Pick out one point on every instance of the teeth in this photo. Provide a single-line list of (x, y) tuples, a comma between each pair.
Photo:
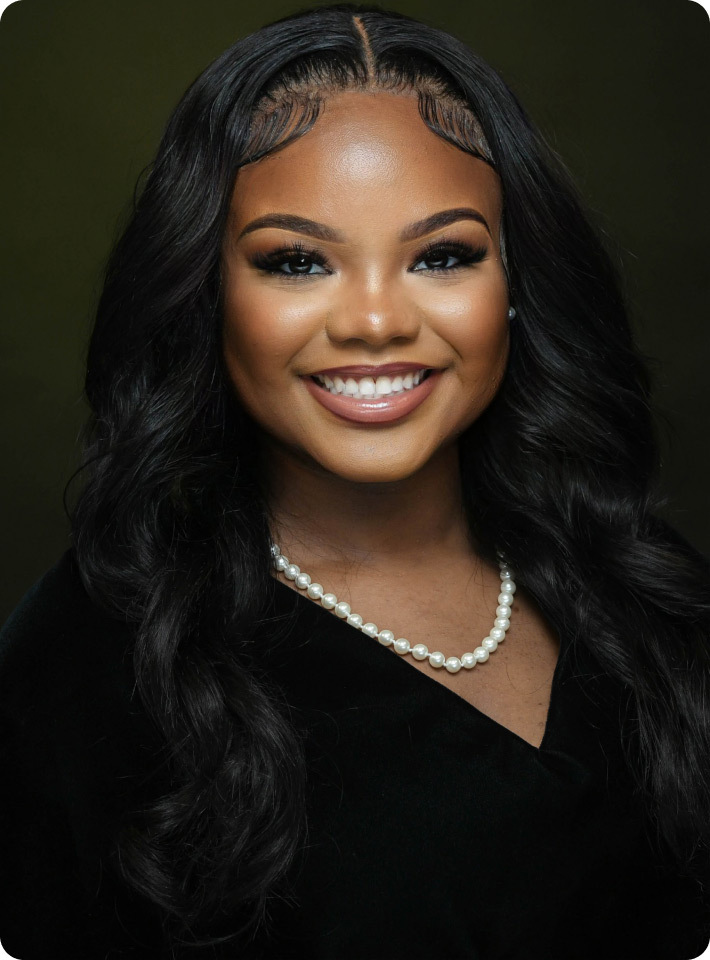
[(368, 387), (383, 386)]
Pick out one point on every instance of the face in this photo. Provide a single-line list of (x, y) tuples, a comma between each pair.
[(356, 259)]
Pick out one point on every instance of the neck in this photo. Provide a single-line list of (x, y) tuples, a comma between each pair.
[(319, 517)]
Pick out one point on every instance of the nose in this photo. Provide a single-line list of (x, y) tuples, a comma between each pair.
[(375, 312)]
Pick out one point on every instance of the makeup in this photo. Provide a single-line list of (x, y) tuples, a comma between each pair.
[(374, 408), (361, 255)]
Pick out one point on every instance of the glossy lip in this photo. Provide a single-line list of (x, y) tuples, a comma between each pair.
[(363, 370), (379, 410)]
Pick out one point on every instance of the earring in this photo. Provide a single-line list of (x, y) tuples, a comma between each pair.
[(511, 312)]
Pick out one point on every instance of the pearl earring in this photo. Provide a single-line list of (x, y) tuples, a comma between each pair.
[(511, 312)]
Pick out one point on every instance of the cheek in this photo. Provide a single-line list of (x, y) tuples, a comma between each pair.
[(263, 331), (483, 340), (474, 322)]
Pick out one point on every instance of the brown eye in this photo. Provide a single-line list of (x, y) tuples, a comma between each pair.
[(300, 265), (448, 257), (291, 262), (439, 261)]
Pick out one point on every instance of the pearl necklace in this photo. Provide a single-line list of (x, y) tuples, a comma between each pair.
[(402, 646)]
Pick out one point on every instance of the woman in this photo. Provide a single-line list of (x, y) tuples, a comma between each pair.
[(370, 643)]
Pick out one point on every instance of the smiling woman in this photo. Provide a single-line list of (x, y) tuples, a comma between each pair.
[(359, 326), (414, 278)]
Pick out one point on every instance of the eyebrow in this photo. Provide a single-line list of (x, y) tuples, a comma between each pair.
[(442, 219), (321, 231)]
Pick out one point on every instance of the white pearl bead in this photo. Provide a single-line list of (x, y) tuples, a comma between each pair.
[(420, 651)]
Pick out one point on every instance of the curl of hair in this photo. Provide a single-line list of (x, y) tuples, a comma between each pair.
[(172, 529)]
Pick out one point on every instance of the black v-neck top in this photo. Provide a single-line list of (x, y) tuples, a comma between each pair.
[(434, 832)]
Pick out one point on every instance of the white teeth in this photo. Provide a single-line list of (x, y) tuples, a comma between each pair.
[(368, 387), (383, 386)]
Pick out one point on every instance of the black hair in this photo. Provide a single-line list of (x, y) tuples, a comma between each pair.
[(171, 529)]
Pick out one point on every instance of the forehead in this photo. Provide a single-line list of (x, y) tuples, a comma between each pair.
[(367, 155)]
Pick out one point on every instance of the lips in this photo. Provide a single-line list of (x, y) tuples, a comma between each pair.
[(364, 370), (373, 409)]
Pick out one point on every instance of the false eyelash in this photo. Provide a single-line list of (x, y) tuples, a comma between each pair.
[(464, 252), (270, 262)]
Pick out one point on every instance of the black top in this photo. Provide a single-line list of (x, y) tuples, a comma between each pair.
[(435, 832)]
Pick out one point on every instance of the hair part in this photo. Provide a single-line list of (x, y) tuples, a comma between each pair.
[(291, 104)]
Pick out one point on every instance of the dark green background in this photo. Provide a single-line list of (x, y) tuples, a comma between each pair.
[(620, 88)]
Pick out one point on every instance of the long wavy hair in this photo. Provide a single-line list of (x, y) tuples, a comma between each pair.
[(171, 529)]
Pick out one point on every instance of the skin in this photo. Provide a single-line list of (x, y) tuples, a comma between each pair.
[(374, 511)]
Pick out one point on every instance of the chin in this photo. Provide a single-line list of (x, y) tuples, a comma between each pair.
[(376, 468)]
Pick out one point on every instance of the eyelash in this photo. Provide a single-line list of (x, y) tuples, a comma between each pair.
[(466, 253)]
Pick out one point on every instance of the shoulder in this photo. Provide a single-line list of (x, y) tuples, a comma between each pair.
[(58, 642)]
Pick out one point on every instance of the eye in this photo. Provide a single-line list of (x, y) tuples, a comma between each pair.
[(292, 262), (296, 261), (446, 257)]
